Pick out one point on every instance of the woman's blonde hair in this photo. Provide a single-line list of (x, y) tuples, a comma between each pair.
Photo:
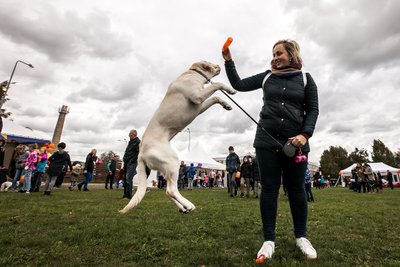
[(293, 49)]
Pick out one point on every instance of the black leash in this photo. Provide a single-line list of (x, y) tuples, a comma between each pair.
[(287, 145)]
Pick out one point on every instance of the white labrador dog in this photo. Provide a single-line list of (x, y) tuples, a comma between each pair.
[(186, 98)]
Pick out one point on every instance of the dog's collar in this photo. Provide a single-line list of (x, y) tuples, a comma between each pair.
[(208, 80)]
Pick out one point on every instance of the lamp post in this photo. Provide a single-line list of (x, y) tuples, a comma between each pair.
[(4, 93), (188, 130), (12, 74)]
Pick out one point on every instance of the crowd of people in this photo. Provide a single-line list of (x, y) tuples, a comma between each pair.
[(363, 179), (30, 165)]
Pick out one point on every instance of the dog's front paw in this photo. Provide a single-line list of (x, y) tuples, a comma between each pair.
[(227, 107)]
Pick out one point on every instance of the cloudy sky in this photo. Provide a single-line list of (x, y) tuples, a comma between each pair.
[(111, 62)]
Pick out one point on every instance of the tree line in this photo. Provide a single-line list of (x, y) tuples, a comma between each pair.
[(337, 158)]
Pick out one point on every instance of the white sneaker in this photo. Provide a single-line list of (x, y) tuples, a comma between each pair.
[(266, 251), (306, 248)]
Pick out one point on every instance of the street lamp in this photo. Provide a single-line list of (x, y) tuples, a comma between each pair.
[(4, 92), (9, 81), (188, 130)]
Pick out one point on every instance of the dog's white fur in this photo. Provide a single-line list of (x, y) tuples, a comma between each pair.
[(5, 186), (186, 98)]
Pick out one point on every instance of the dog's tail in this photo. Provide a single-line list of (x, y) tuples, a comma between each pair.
[(141, 188)]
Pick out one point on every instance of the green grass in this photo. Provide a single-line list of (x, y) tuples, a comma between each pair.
[(85, 229)]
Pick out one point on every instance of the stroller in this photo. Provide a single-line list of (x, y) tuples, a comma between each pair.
[(76, 172)]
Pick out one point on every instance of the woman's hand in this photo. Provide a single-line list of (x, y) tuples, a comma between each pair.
[(298, 140), (226, 54)]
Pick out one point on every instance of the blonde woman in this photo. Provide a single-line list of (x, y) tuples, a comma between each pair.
[(90, 163), (289, 113)]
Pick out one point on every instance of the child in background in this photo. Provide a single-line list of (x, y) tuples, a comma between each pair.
[(39, 171)]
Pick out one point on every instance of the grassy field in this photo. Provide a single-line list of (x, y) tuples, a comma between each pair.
[(85, 229)]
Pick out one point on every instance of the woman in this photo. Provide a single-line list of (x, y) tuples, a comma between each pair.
[(20, 158), (90, 162), (30, 166), (289, 113), (57, 162)]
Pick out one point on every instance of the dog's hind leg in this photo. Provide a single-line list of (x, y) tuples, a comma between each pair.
[(171, 174), (142, 186)]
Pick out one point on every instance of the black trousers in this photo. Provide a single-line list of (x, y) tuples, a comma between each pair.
[(110, 179), (310, 197), (272, 166)]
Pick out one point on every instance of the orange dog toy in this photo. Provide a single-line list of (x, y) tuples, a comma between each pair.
[(227, 43), (261, 259)]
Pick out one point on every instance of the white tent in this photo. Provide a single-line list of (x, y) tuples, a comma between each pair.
[(200, 158), (197, 155), (375, 166)]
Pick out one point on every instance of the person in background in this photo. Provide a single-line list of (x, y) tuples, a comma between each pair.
[(212, 175), (39, 171), (60, 177), (3, 170), (191, 175), (20, 158), (310, 197), (88, 170), (232, 166), (76, 172), (289, 114), (256, 177), (112, 169), (219, 179), (182, 175), (390, 179), (57, 162), (379, 181), (119, 178), (30, 166), (161, 180), (246, 172), (130, 163)]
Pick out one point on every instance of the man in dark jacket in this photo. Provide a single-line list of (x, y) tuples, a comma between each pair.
[(57, 161), (232, 166), (130, 163)]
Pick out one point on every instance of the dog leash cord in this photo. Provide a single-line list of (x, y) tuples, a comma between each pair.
[(245, 112)]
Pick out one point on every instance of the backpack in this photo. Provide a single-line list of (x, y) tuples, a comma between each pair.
[(269, 74)]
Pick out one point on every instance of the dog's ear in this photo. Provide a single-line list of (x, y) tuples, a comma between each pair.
[(207, 67)]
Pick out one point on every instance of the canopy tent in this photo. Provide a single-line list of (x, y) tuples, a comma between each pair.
[(375, 166), (15, 132), (200, 158)]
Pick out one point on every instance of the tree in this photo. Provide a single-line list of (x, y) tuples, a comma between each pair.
[(107, 156), (359, 156), (397, 159), (334, 160), (381, 153)]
